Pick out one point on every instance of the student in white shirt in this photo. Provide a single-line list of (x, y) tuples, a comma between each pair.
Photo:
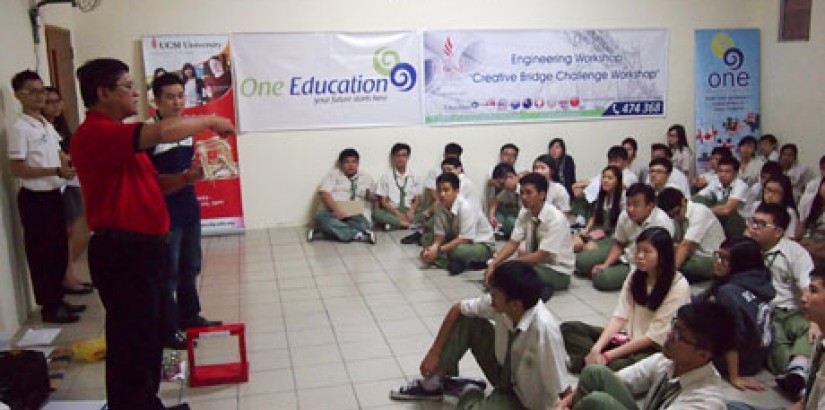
[(767, 148), (461, 233), (507, 154), (681, 377), (727, 197), (585, 192), (798, 173), (344, 184), (597, 233), (813, 184), (777, 189), (701, 181), (658, 175), (749, 166), (398, 192), (504, 206), (36, 160), (698, 234), (468, 188), (811, 230), (770, 169), (541, 236), (676, 178), (634, 164), (790, 266), (682, 154), (430, 197), (647, 303), (512, 336), (556, 194)]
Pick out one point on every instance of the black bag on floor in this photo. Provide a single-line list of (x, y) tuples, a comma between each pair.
[(24, 380)]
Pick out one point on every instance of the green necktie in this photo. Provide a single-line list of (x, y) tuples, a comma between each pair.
[(534, 240), (353, 188), (402, 205), (664, 394), (505, 383)]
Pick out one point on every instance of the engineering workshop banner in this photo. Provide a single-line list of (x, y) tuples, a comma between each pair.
[(727, 90), (544, 75), (204, 63), (324, 80)]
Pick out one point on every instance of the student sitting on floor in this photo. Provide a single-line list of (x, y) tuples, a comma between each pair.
[(585, 192), (398, 193), (790, 266), (596, 235), (698, 234), (770, 169), (798, 173), (677, 178), (743, 284), (556, 194), (681, 377), (749, 166), (699, 182), (726, 195), (504, 206), (468, 188), (778, 190), (513, 337), (640, 213), (430, 196), (767, 148), (658, 175), (634, 164), (508, 154), (541, 236), (812, 229), (683, 156), (344, 194), (461, 233), (647, 303), (813, 299), (564, 163), (813, 184)]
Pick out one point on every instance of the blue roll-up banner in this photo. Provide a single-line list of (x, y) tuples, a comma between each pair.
[(727, 90)]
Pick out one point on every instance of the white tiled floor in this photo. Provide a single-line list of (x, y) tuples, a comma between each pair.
[(329, 326)]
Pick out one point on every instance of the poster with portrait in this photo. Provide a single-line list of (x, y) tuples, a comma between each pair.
[(204, 65), (727, 90)]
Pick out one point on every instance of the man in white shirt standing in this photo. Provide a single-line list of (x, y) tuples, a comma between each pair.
[(727, 196), (513, 337), (681, 377), (542, 238), (461, 232), (344, 194), (35, 155)]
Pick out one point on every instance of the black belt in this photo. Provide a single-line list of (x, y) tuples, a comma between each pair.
[(127, 236)]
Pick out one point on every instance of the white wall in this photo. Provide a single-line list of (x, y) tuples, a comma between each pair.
[(280, 171)]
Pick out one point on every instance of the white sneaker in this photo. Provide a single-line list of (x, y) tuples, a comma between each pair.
[(311, 235), (387, 227), (370, 236)]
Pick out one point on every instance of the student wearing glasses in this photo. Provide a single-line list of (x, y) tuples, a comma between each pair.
[(37, 161), (680, 377), (790, 266)]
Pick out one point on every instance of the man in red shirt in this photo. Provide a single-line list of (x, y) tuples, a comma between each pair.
[(126, 211)]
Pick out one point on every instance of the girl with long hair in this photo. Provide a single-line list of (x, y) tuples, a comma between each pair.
[(557, 150), (609, 204), (193, 86), (743, 285), (556, 193), (682, 154), (648, 302), (812, 229)]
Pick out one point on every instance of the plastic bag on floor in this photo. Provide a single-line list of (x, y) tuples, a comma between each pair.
[(90, 350)]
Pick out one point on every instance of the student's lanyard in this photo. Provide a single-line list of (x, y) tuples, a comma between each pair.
[(726, 193), (534, 240), (353, 187), (666, 391), (401, 189), (506, 382)]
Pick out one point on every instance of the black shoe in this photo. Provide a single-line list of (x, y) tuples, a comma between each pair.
[(476, 264), (546, 293), (416, 391), (72, 308), (182, 406), (176, 342), (455, 268), (411, 239), (58, 314), (83, 290), (453, 386), (791, 383), (199, 321)]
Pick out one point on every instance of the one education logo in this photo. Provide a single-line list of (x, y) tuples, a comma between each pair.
[(362, 87), (723, 47)]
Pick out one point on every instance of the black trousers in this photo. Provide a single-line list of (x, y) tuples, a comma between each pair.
[(128, 271), (46, 242)]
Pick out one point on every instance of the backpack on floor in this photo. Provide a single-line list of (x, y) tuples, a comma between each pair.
[(24, 379)]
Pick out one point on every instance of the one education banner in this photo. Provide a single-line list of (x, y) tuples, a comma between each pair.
[(322, 80), (727, 90), (204, 62), (543, 75)]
